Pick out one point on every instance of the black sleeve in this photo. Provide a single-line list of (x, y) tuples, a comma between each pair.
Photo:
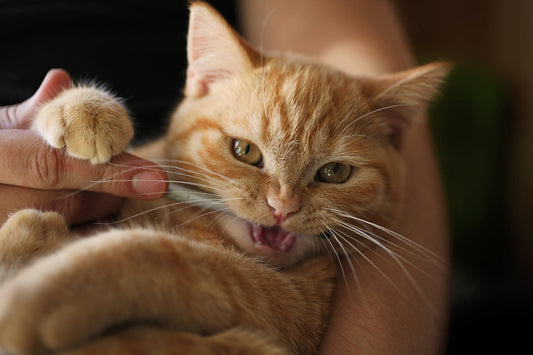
[(136, 48)]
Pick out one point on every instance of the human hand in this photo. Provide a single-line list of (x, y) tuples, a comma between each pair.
[(33, 174)]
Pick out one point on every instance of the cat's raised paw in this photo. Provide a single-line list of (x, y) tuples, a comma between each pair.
[(89, 122)]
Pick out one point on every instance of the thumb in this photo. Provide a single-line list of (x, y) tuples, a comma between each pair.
[(20, 115), (29, 162)]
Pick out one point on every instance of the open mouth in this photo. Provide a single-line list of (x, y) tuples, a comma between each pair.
[(274, 238)]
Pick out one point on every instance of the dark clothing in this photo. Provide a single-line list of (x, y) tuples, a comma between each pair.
[(136, 48)]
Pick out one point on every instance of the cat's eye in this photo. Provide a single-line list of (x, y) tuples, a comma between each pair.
[(334, 173), (246, 152)]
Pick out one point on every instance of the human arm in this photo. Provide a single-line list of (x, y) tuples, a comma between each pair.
[(33, 174), (372, 314)]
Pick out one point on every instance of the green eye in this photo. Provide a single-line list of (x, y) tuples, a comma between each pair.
[(246, 152), (334, 173)]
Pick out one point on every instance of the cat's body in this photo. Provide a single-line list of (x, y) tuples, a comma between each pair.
[(294, 149)]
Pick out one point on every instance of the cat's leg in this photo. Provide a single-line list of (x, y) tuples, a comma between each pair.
[(127, 277), (28, 234), (88, 121), (155, 341)]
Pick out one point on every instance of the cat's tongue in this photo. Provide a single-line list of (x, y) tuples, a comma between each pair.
[(275, 238)]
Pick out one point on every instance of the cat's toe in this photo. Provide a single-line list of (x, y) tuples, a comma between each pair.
[(49, 124)]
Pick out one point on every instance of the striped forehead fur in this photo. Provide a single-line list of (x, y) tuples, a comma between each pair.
[(306, 109)]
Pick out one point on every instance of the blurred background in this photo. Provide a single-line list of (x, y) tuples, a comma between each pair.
[(483, 130)]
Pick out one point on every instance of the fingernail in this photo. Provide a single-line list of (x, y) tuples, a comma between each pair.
[(149, 184)]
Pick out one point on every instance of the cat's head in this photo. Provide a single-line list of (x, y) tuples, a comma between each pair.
[(300, 153)]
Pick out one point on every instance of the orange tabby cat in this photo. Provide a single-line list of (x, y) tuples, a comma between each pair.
[(301, 155)]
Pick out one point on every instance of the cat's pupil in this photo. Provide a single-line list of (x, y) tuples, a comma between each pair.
[(331, 171)]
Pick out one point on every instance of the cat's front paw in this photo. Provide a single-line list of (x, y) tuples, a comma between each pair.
[(88, 121)]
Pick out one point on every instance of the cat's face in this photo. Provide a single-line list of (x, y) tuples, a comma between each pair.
[(290, 150), (296, 150)]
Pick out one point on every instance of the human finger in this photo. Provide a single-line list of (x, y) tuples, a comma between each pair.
[(28, 161), (20, 115), (75, 206)]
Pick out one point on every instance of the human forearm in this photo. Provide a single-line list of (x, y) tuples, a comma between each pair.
[(358, 37)]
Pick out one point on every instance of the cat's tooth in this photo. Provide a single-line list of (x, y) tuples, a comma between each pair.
[(287, 243), (256, 232)]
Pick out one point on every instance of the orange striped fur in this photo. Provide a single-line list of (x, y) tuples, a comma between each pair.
[(176, 279)]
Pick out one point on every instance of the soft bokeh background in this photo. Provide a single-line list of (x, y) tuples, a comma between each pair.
[(483, 130)]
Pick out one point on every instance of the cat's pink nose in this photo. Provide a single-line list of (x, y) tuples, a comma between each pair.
[(281, 210)]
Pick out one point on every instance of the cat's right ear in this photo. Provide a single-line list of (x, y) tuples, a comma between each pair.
[(214, 50), (403, 96)]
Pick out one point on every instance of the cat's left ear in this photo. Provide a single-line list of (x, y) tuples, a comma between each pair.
[(403, 96), (214, 50)]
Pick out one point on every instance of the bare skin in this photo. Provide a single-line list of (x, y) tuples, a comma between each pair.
[(373, 315), (32, 174)]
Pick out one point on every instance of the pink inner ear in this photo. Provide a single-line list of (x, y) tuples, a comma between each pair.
[(214, 51), (196, 85), (407, 94), (398, 121)]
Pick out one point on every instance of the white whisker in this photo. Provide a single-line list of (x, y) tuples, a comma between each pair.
[(203, 215), (197, 175), (420, 249), (231, 181), (338, 257), (94, 183), (338, 261), (366, 115), (347, 258), (392, 254), (344, 237), (146, 212), (411, 253), (220, 216)]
